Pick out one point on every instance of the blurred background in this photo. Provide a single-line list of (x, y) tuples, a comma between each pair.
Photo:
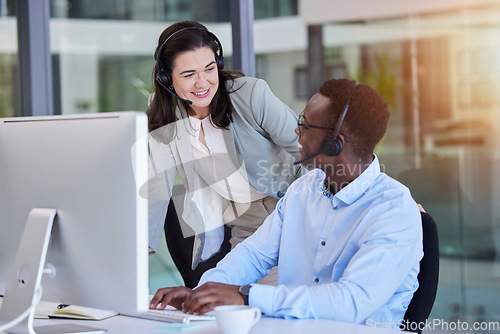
[(437, 63)]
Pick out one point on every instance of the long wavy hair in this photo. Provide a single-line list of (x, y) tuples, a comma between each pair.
[(161, 109)]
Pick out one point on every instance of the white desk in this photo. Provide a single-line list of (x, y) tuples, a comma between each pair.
[(266, 325), (129, 325)]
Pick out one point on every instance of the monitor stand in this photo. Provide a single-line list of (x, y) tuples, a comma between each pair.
[(24, 287)]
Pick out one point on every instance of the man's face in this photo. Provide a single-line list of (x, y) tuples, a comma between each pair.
[(314, 129)]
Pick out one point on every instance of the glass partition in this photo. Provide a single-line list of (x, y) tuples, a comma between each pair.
[(8, 60), (103, 51), (440, 74), (106, 65)]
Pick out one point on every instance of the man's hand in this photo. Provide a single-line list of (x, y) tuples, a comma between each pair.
[(170, 296), (211, 294)]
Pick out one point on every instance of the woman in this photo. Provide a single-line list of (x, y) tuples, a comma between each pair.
[(231, 141)]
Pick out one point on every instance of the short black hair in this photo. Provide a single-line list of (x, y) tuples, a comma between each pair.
[(366, 119)]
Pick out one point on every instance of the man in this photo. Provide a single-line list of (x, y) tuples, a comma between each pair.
[(347, 238)]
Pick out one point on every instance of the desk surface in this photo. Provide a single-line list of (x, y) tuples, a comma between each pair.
[(126, 325)]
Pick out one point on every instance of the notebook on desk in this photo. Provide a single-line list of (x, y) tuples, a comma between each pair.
[(46, 310)]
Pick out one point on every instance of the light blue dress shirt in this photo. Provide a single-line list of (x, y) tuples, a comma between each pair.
[(351, 257)]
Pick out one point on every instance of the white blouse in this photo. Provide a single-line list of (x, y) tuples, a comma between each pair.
[(211, 164)]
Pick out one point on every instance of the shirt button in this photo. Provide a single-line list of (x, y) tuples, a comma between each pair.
[(335, 208), (323, 243), (316, 280)]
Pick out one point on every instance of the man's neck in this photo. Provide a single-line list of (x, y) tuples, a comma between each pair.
[(340, 175)]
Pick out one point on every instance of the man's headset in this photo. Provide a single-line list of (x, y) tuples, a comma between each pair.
[(332, 146), (165, 80)]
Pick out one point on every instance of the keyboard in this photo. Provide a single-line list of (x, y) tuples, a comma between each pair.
[(174, 315), (171, 314)]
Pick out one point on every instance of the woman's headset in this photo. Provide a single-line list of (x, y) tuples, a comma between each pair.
[(162, 77)]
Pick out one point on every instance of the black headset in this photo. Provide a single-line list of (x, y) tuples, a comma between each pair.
[(332, 146), (163, 78)]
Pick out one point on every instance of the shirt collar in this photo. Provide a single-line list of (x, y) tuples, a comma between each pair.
[(354, 190)]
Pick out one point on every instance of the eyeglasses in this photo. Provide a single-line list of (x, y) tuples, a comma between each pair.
[(301, 125)]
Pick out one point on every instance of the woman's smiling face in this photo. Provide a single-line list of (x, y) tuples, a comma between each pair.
[(195, 77)]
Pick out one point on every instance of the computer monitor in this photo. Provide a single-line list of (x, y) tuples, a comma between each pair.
[(87, 167)]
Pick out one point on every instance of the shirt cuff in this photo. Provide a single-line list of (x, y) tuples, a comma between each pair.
[(262, 296)]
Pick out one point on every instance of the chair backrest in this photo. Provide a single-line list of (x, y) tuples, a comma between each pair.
[(421, 304)]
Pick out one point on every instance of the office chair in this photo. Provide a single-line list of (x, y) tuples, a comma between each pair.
[(423, 299)]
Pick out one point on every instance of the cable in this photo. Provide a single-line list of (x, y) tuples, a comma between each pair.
[(23, 315)]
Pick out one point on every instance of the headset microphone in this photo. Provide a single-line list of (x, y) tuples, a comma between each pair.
[(308, 157), (171, 91)]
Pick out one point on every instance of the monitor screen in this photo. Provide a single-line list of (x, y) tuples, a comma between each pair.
[(87, 167)]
